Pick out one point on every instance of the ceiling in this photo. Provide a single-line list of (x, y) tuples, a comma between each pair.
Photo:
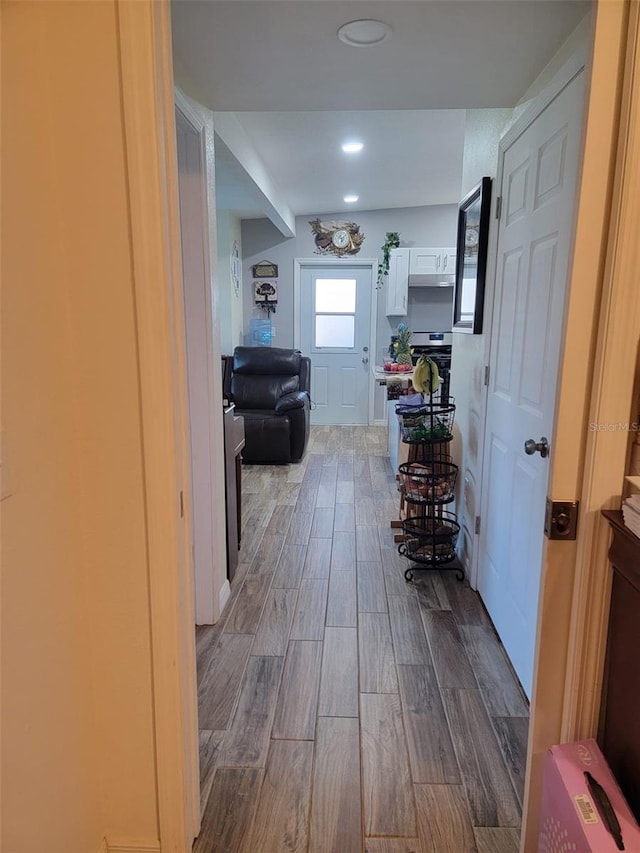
[(298, 91)]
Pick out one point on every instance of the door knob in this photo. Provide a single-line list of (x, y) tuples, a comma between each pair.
[(365, 360), (532, 446)]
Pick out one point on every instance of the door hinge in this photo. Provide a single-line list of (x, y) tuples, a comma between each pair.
[(477, 528), (486, 374), (498, 207), (181, 504)]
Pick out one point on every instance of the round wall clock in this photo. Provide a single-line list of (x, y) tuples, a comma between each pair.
[(340, 238), (471, 237)]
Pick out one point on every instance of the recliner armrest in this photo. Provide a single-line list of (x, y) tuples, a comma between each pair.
[(291, 401)]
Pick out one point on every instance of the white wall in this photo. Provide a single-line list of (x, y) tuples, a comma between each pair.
[(418, 226), (483, 129), (230, 302), (77, 715)]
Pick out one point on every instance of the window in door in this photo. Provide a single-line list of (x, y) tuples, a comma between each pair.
[(334, 313)]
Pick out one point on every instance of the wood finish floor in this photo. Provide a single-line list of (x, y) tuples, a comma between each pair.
[(343, 710)]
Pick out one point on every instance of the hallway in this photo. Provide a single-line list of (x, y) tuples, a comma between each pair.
[(340, 708)]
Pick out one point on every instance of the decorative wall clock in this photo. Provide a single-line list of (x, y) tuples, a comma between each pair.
[(336, 238)]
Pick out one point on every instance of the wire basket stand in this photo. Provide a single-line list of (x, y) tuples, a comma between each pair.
[(427, 483)]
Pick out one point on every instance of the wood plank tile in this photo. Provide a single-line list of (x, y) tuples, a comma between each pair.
[(233, 798), (322, 525), (339, 679), (247, 741), (280, 518), (209, 744), (512, 733), (367, 545), (344, 518), (392, 845), (308, 621), (219, 688), (327, 488), (502, 694), (443, 819), (371, 592), (389, 807), (465, 602), (272, 636), (318, 560), (341, 605), (300, 527), (365, 505), (307, 496), (447, 650), (290, 566), (377, 663), (344, 492), (246, 612), (409, 638), (497, 840), (298, 698), (431, 591), (431, 752), (492, 800), (336, 818), (266, 557), (343, 553), (281, 821)]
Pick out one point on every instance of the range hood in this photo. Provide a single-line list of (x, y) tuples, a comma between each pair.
[(431, 280)]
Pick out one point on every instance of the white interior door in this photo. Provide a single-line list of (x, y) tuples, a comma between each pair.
[(335, 332), (538, 194)]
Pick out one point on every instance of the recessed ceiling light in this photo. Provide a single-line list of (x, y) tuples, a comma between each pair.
[(350, 199), (364, 33), (352, 147)]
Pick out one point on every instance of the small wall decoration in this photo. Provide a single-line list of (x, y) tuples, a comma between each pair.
[(266, 295), (235, 267), (265, 269), (336, 238), (471, 259)]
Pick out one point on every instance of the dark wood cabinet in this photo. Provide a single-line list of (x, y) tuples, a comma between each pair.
[(233, 444), (619, 728)]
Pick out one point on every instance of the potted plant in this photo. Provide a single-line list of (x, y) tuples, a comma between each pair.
[(392, 241)]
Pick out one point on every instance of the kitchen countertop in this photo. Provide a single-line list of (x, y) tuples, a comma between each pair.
[(383, 378)]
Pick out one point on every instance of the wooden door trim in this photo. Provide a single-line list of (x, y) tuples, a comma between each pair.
[(151, 168), (612, 397), (298, 264)]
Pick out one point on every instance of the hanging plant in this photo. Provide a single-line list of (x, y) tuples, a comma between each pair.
[(392, 241)]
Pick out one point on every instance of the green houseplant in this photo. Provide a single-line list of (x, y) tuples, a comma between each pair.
[(392, 241)]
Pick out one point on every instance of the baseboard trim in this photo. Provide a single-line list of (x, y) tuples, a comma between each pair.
[(130, 845), (224, 596)]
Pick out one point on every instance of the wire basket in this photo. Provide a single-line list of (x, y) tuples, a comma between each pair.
[(427, 422), (430, 540), (431, 482)]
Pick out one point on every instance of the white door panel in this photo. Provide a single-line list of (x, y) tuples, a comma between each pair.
[(538, 185), (335, 330)]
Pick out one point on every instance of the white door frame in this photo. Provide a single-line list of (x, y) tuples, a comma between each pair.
[(298, 264), (212, 588)]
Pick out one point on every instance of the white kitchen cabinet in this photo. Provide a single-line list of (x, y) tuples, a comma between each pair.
[(437, 261), (398, 282)]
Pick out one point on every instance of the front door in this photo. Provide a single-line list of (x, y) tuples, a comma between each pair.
[(335, 331), (538, 188)]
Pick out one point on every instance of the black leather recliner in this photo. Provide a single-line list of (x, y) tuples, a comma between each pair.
[(270, 389)]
